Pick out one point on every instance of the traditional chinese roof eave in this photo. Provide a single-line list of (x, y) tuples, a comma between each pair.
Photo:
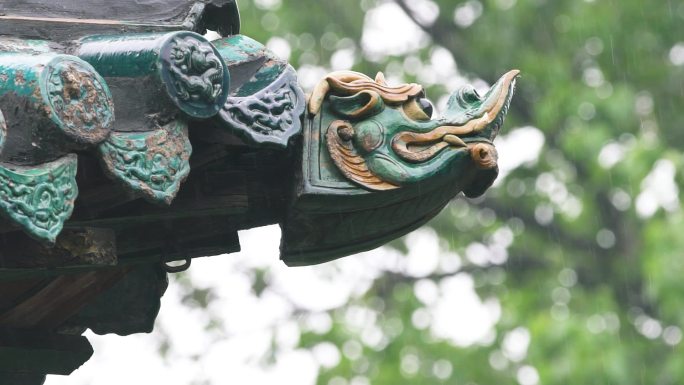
[(68, 19)]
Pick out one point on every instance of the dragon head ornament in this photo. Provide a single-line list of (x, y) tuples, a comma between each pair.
[(384, 137), (376, 164)]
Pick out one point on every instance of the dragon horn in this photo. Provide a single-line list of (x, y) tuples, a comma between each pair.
[(323, 87), (380, 79)]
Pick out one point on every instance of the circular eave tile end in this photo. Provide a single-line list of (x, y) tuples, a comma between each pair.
[(195, 77), (79, 100)]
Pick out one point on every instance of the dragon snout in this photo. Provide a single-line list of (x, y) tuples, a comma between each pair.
[(484, 155), (471, 122)]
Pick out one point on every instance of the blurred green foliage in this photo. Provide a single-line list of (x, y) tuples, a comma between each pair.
[(593, 274)]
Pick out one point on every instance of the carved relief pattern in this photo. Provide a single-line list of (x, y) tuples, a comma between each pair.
[(80, 99), (152, 164), (196, 70), (271, 115), (39, 198), (351, 164)]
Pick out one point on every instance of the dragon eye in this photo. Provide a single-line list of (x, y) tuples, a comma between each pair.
[(426, 106), (418, 109)]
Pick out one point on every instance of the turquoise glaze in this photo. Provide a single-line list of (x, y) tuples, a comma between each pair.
[(151, 164), (241, 48), (39, 198), (238, 50), (194, 77)]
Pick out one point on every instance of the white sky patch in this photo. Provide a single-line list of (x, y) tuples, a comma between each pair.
[(280, 47), (466, 14), (658, 190), (388, 31), (413, 65), (611, 154), (315, 288), (292, 367), (643, 105), (484, 255), (676, 55), (527, 375), (443, 63), (137, 354), (440, 68), (424, 253), (555, 189), (672, 335), (515, 344), (312, 291), (425, 11), (327, 354), (212, 35), (343, 59), (309, 75), (185, 324), (450, 262), (620, 199), (426, 291), (460, 316), (477, 253), (520, 147), (593, 77)]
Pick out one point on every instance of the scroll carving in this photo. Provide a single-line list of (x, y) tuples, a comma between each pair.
[(151, 164), (39, 198), (269, 116), (349, 162)]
